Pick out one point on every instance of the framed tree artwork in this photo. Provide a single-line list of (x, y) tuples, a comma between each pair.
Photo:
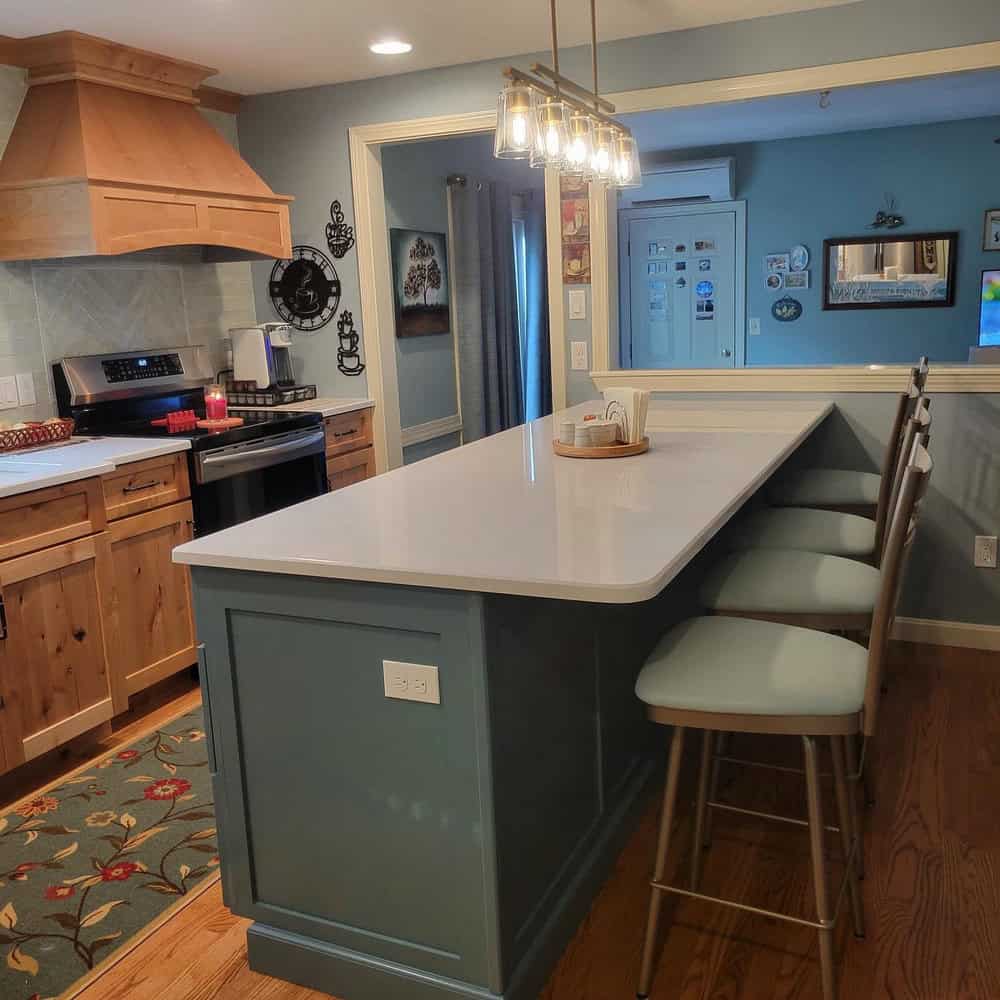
[(420, 282)]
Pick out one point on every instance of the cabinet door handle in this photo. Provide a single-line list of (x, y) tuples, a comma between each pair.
[(3, 620), (343, 434), (139, 487)]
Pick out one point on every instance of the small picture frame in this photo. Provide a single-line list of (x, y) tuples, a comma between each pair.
[(991, 230), (777, 263), (775, 282), (797, 279)]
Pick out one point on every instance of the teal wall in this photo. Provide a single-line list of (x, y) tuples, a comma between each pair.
[(298, 140), (944, 177)]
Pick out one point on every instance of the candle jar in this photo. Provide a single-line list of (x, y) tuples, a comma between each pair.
[(216, 407)]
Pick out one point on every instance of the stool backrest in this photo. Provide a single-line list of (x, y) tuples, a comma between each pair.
[(902, 528), (917, 429), (894, 457)]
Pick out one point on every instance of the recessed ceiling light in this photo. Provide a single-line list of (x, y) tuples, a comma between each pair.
[(391, 47)]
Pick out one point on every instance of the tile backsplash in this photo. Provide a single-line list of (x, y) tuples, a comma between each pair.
[(89, 305)]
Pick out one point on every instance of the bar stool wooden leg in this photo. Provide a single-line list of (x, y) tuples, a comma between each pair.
[(850, 837), (827, 967), (659, 868), (697, 842), (851, 751)]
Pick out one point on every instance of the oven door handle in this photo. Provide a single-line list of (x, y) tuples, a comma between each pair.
[(247, 459)]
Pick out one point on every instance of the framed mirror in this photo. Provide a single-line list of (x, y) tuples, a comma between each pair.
[(888, 271)]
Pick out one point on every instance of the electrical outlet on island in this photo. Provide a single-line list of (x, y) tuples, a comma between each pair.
[(985, 555)]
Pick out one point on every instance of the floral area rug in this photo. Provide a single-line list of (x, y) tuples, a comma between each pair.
[(92, 861)]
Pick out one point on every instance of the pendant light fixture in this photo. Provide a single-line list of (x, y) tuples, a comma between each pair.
[(546, 118)]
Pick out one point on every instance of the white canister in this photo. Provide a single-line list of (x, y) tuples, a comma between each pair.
[(567, 432)]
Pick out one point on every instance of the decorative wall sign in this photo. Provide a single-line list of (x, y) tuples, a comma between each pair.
[(777, 263), (574, 198), (420, 273), (991, 230), (576, 263), (348, 359), (305, 290), (786, 309), (797, 279), (798, 258), (774, 282), (339, 237), (887, 218)]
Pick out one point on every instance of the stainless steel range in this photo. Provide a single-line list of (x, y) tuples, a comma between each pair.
[(275, 459)]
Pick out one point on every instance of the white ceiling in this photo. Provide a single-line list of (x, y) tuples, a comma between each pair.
[(905, 102), (264, 45)]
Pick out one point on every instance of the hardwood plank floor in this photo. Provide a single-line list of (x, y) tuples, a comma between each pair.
[(932, 895)]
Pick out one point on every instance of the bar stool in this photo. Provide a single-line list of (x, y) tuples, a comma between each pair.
[(805, 588), (740, 675), (850, 491)]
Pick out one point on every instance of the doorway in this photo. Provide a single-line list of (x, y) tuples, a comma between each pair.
[(684, 294)]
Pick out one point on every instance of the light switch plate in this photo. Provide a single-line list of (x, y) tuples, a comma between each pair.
[(578, 355), (985, 555), (577, 303), (26, 388), (753, 326), (8, 392), (411, 682)]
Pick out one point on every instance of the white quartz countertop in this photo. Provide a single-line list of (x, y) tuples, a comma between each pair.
[(80, 458), (327, 405), (506, 515)]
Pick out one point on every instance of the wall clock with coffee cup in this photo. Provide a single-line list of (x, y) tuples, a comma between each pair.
[(305, 289)]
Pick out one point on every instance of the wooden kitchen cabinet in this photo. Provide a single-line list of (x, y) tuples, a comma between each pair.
[(36, 520), (152, 626), (54, 670), (146, 485), (348, 432), (354, 467)]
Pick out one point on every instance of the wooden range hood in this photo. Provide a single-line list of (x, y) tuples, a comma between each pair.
[(110, 155)]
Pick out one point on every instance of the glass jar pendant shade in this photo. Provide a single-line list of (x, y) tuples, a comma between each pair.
[(602, 161), (580, 150), (516, 123), (552, 135), (625, 159)]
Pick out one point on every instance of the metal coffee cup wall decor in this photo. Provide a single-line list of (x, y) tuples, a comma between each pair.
[(348, 359), (305, 289), (339, 236)]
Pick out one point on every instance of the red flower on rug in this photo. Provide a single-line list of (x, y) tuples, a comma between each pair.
[(59, 892), (38, 807), (166, 788), (27, 866), (120, 871), (127, 755)]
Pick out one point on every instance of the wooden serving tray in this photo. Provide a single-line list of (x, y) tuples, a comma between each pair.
[(603, 451), (220, 425)]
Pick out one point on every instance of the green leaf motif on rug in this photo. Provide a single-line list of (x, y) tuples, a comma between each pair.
[(87, 864)]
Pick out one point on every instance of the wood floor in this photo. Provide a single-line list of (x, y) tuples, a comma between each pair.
[(932, 894)]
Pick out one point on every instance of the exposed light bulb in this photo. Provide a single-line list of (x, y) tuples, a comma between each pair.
[(552, 141), (519, 129), (577, 154)]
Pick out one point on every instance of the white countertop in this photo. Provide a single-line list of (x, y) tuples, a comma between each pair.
[(505, 515), (327, 405), (23, 471)]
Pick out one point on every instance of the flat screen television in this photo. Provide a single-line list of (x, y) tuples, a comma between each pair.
[(989, 310)]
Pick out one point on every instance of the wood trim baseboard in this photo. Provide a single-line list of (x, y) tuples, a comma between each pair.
[(431, 429), (847, 378), (935, 632), (66, 729)]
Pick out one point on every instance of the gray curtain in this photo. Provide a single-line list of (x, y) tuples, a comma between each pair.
[(482, 262)]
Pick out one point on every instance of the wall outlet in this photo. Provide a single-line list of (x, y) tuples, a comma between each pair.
[(985, 554), (8, 392), (411, 682), (753, 326), (578, 355), (577, 303), (26, 388)]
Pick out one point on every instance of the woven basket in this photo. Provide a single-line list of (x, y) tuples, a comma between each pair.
[(36, 434)]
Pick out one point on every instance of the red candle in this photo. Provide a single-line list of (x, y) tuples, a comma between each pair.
[(215, 403)]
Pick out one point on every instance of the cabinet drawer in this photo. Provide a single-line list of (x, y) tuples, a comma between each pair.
[(142, 486), (36, 520), (354, 467), (348, 432)]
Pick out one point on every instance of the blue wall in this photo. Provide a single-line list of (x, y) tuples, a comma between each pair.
[(944, 177)]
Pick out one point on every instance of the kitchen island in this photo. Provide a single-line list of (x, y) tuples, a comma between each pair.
[(447, 846)]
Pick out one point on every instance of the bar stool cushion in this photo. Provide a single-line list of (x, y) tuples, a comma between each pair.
[(807, 528), (787, 581), (826, 488), (748, 667)]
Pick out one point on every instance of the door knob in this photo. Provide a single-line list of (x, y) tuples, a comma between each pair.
[(726, 353)]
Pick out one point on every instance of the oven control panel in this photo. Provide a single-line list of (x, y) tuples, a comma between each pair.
[(138, 367)]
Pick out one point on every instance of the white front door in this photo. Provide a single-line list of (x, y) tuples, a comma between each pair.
[(683, 297)]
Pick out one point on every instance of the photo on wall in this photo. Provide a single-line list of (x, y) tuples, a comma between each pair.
[(420, 282), (989, 310)]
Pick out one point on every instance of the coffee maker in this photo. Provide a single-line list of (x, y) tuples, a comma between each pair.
[(262, 354)]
